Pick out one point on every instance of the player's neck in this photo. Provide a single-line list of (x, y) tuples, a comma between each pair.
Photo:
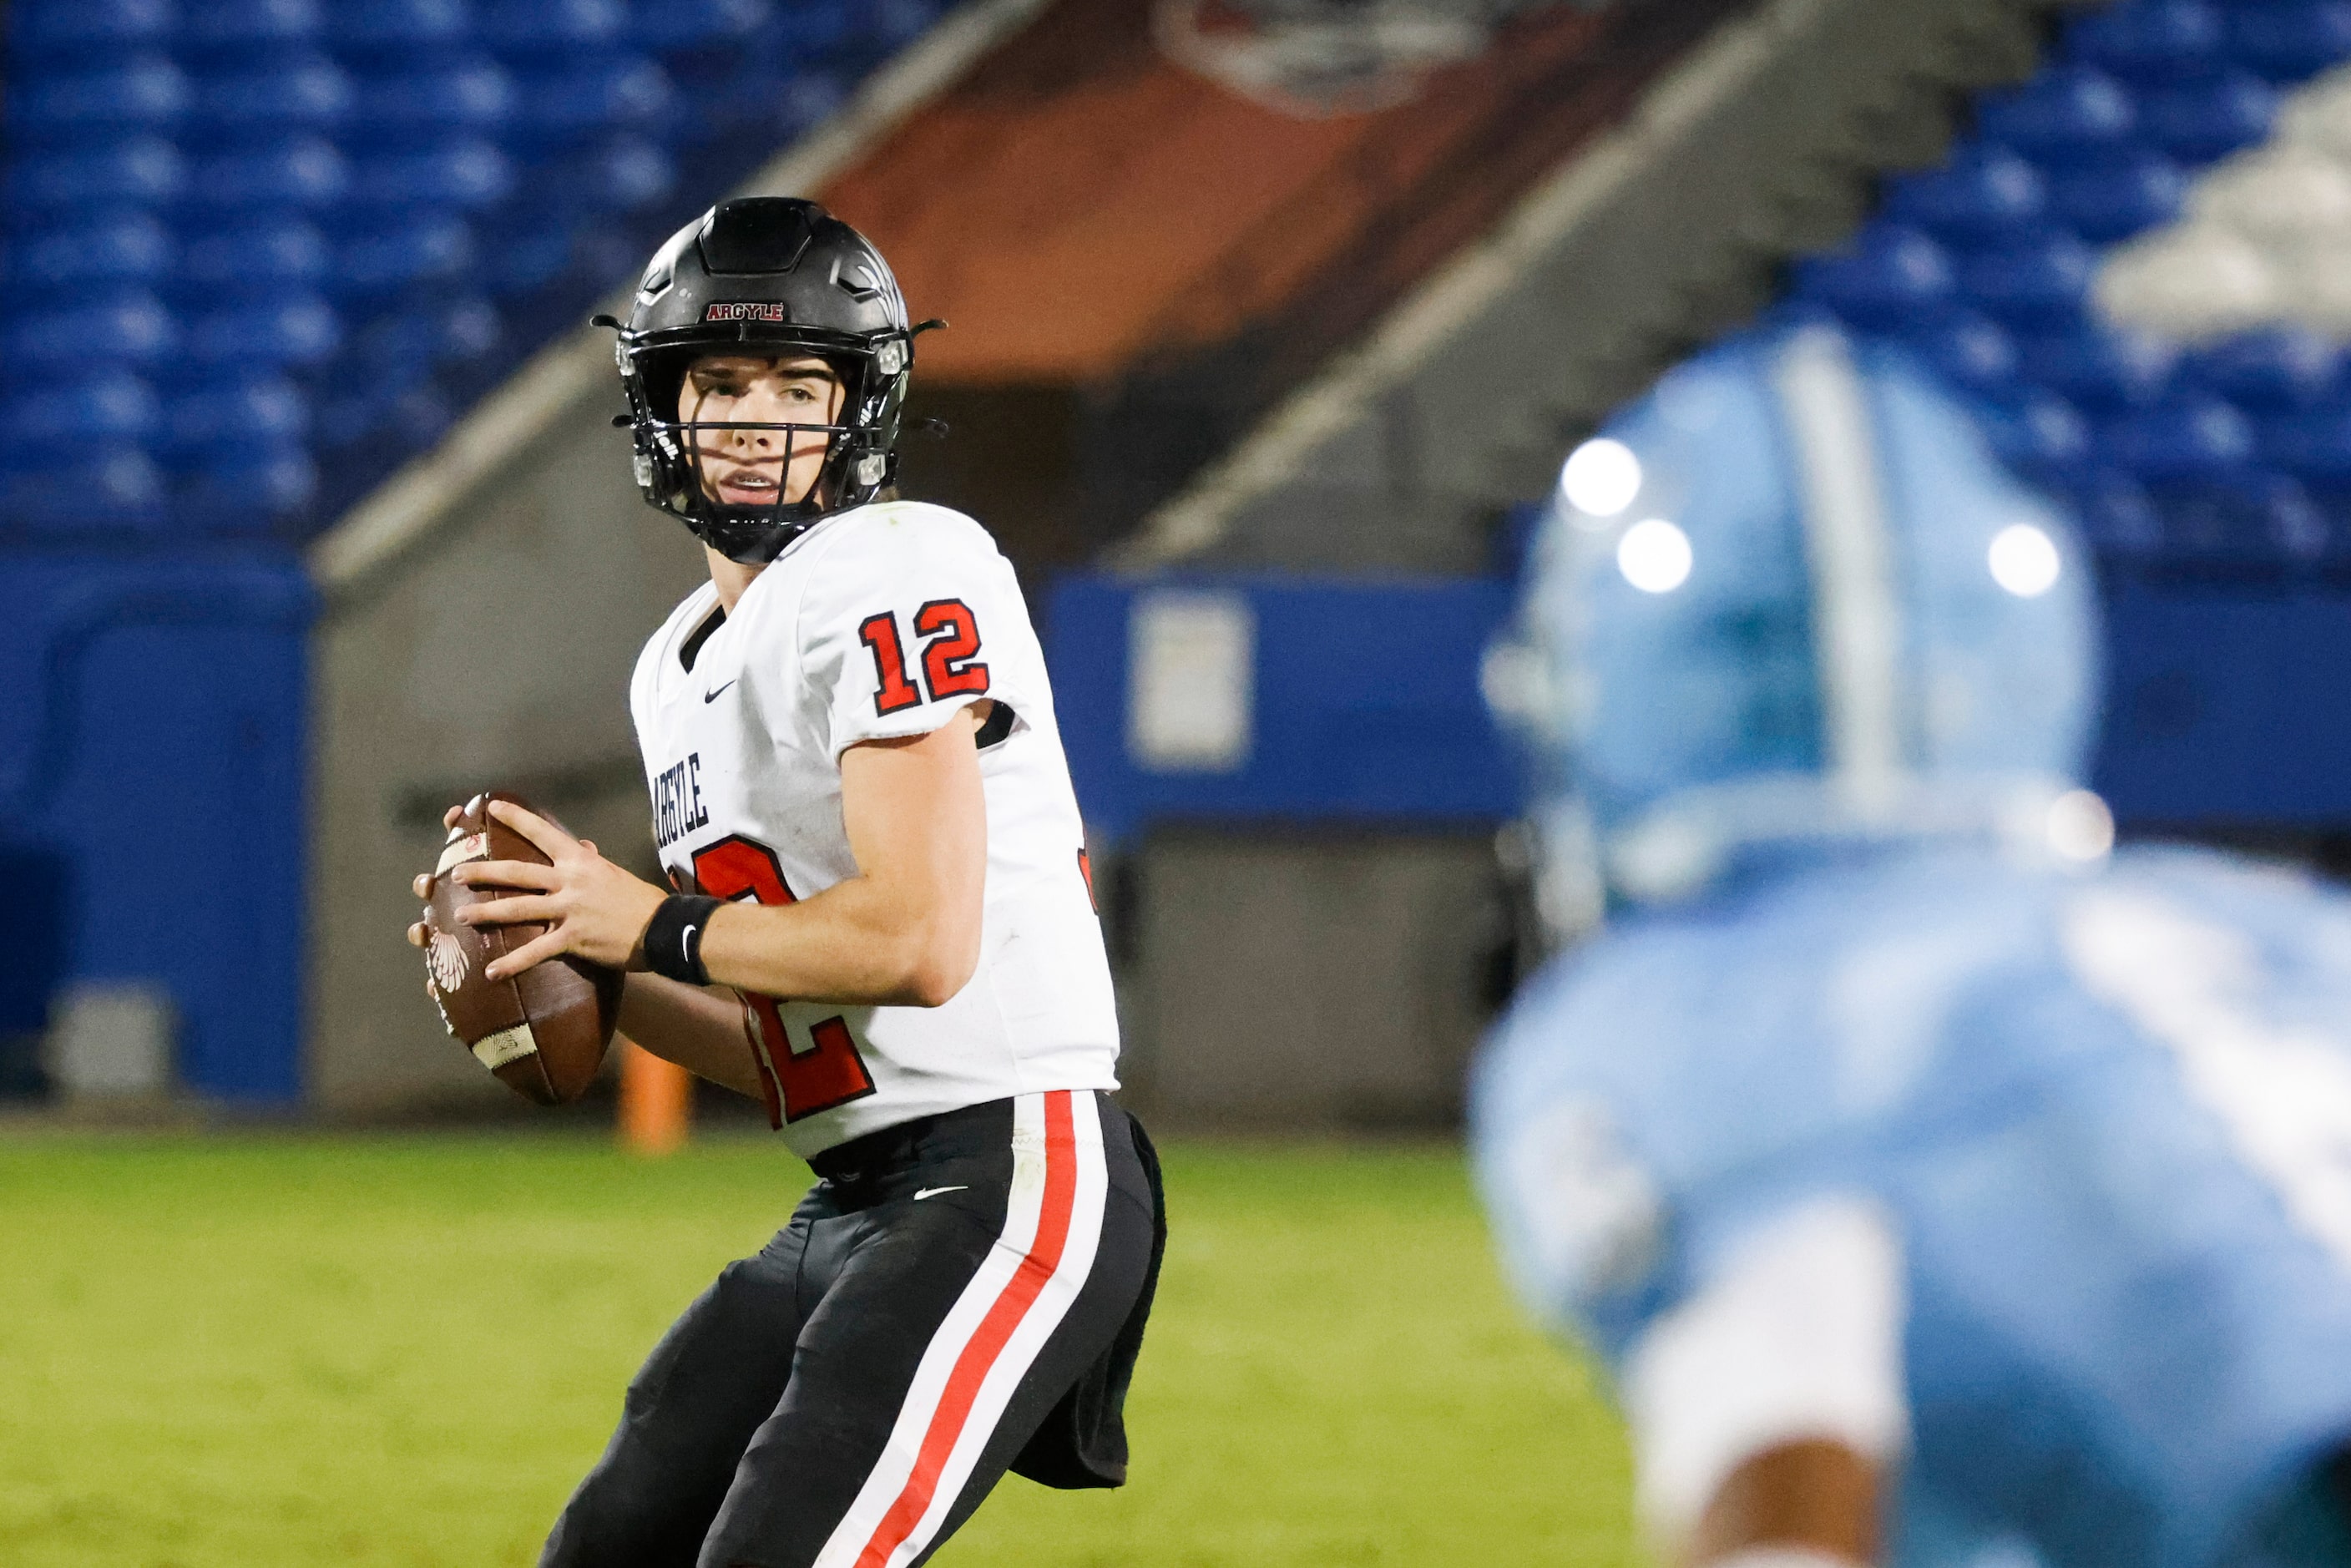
[(730, 577)]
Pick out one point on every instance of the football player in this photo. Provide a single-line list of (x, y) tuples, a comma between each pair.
[(880, 925), (1940, 1187)]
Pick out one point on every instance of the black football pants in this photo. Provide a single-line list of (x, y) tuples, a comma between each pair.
[(845, 1398)]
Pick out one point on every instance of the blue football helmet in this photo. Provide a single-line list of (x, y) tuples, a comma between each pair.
[(1790, 597)]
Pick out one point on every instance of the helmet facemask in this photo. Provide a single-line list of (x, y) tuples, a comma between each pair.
[(670, 451)]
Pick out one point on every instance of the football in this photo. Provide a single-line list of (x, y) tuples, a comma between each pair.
[(544, 1031)]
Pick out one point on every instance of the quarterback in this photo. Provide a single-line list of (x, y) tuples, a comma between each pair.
[(880, 926)]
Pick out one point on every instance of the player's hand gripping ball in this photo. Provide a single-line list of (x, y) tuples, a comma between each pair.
[(543, 1031)]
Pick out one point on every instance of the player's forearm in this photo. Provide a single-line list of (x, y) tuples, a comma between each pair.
[(860, 942), (699, 1031)]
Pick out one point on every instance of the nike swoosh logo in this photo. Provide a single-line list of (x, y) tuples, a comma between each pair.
[(713, 696), (934, 1191)]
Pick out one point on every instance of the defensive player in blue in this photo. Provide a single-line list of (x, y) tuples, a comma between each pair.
[(1938, 1188)]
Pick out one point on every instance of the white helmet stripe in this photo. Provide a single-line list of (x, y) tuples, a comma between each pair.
[(1857, 612)]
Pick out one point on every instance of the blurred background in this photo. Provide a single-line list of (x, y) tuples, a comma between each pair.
[(1272, 325)]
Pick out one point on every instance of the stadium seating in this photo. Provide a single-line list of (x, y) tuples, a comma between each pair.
[(369, 209), (2130, 261), (258, 253)]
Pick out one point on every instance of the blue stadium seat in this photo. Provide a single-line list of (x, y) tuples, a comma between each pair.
[(127, 327), (523, 253), (2040, 434), (1980, 191), (2190, 438), (585, 96), (1973, 353), (99, 493), (409, 417), (2290, 40), (1889, 276), (293, 172), (416, 25), (528, 30), (264, 253), (2065, 115), (122, 246), (800, 34), (2199, 120), (146, 92), (404, 250), (245, 486), (2149, 40), (2100, 369), (2313, 444), (469, 93), (464, 172), (694, 24), (111, 409), (2254, 519), (604, 257), (2285, 368), (221, 25), (287, 328), (261, 407), (407, 346), (2117, 515), (308, 92), (40, 27), (139, 171), (2112, 202), (890, 25), (715, 91), (616, 174), (2036, 281)]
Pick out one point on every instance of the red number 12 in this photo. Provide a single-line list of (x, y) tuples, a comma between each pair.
[(798, 1083), (951, 664)]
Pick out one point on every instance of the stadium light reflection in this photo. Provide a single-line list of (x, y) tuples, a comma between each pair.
[(1601, 478), (2024, 560), (1654, 555)]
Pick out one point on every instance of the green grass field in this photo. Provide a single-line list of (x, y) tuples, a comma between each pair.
[(251, 1351)]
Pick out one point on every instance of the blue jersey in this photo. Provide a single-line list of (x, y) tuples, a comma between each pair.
[(2108, 1114)]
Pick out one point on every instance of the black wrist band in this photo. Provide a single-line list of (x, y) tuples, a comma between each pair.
[(674, 937)]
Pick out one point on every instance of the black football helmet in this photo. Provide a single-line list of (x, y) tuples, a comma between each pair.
[(772, 275)]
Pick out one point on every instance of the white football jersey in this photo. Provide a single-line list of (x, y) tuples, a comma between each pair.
[(877, 622)]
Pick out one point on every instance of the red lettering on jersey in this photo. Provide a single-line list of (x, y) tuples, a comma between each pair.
[(796, 1083), (880, 632), (1086, 870), (947, 660)]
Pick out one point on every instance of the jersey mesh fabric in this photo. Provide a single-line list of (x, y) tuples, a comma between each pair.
[(2106, 1116), (884, 622)]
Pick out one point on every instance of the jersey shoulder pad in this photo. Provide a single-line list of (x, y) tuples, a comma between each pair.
[(904, 531)]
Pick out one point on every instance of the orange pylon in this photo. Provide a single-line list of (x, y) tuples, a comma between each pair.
[(656, 1101)]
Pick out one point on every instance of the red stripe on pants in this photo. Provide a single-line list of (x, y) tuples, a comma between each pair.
[(987, 1342)]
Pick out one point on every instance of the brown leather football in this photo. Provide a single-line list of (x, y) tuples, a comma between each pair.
[(544, 1031)]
